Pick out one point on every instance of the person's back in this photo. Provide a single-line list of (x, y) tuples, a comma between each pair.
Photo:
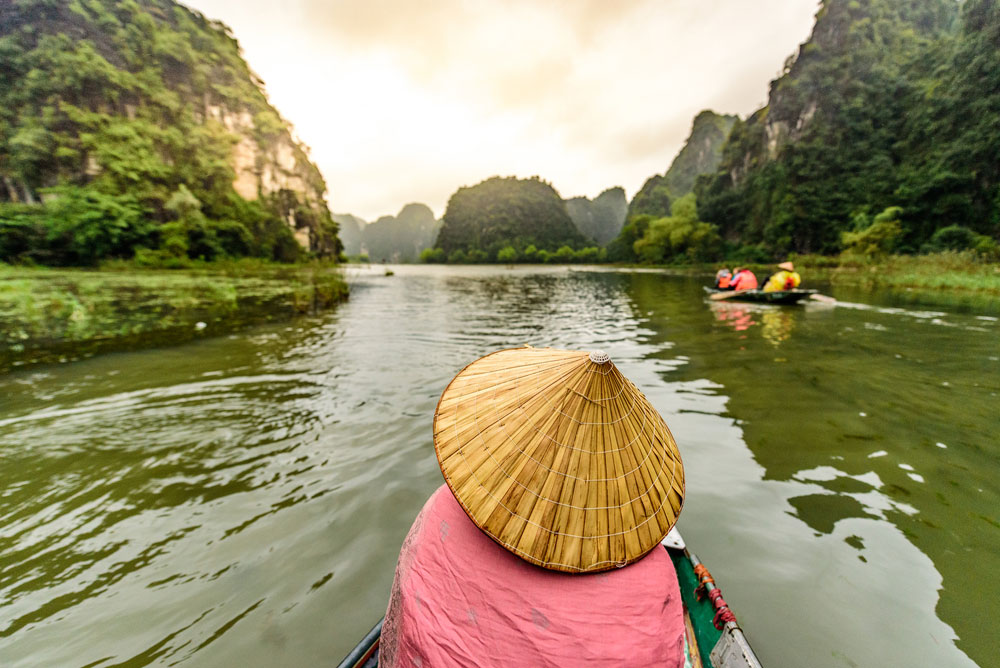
[(744, 279), (722, 279), (540, 552), (786, 279), (459, 599), (783, 280)]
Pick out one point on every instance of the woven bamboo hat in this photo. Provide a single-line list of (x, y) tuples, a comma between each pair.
[(559, 458)]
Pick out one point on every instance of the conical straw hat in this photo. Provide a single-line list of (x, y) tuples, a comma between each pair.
[(559, 458)]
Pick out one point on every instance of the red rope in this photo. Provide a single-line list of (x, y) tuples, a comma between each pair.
[(722, 616), (722, 612)]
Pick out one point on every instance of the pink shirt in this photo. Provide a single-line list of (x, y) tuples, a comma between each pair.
[(459, 599)]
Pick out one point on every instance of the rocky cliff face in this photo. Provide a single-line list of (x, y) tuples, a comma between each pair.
[(350, 229), (830, 145), (402, 237), (701, 154), (138, 98)]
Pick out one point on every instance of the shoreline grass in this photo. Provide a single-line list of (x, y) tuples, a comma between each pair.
[(939, 272), (54, 314)]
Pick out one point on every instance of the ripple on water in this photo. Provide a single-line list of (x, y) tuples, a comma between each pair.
[(240, 501)]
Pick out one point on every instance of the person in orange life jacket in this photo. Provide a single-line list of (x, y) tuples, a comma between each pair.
[(722, 279), (743, 279), (786, 279)]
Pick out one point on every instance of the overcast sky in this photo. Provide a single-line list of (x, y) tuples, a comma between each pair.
[(405, 101)]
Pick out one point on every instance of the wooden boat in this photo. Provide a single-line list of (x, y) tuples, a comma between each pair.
[(759, 296), (713, 637)]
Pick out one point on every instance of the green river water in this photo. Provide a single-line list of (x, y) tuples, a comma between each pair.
[(241, 500)]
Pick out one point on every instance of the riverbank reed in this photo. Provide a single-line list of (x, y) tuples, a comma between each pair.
[(61, 314)]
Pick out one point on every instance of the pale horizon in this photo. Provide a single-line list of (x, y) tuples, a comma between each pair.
[(401, 104)]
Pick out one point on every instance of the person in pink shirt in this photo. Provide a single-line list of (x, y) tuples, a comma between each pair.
[(743, 279), (543, 548), (459, 599)]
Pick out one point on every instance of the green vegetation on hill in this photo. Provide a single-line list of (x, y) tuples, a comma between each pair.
[(600, 219), (136, 124), (700, 154), (881, 132), (350, 228), (401, 238), (526, 215), (677, 237)]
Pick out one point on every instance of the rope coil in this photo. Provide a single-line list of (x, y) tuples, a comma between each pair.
[(723, 614)]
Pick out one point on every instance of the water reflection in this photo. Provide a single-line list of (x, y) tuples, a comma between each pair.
[(739, 316), (776, 322), (852, 430), (242, 500)]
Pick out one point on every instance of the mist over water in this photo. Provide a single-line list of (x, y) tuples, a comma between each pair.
[(242, 500)]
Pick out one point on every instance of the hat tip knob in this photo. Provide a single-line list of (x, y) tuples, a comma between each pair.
[(599, 357)]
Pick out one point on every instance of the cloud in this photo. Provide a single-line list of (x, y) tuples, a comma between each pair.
[(405, 101)]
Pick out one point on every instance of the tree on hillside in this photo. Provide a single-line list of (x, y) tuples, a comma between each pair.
[(653, 199), (701, 154), (679, 236), (122, 104), (833, 139)]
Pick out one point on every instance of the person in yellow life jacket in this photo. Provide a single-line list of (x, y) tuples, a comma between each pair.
[(786, 279)]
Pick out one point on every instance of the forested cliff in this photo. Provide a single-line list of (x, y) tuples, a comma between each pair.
[(601, 218), (881, 133), (401, 238), (136, 124), (701, 154), (525, 215)]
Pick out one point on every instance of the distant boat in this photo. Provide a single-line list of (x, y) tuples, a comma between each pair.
[(713, 638), (759, 296)]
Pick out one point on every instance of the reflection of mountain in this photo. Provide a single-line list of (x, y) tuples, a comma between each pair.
[(848, 422)]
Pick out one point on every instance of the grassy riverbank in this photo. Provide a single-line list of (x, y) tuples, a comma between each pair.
[(961, 272), (57, 314), (939, 271)]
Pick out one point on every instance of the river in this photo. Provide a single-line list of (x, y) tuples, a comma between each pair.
[(241, 500)]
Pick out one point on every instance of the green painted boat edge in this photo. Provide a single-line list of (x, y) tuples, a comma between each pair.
[(702, 612)]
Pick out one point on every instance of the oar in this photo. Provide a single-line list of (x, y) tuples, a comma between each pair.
[(823, 298), (719, 296)]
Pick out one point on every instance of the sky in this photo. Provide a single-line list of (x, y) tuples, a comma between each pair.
[(404, 101)]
